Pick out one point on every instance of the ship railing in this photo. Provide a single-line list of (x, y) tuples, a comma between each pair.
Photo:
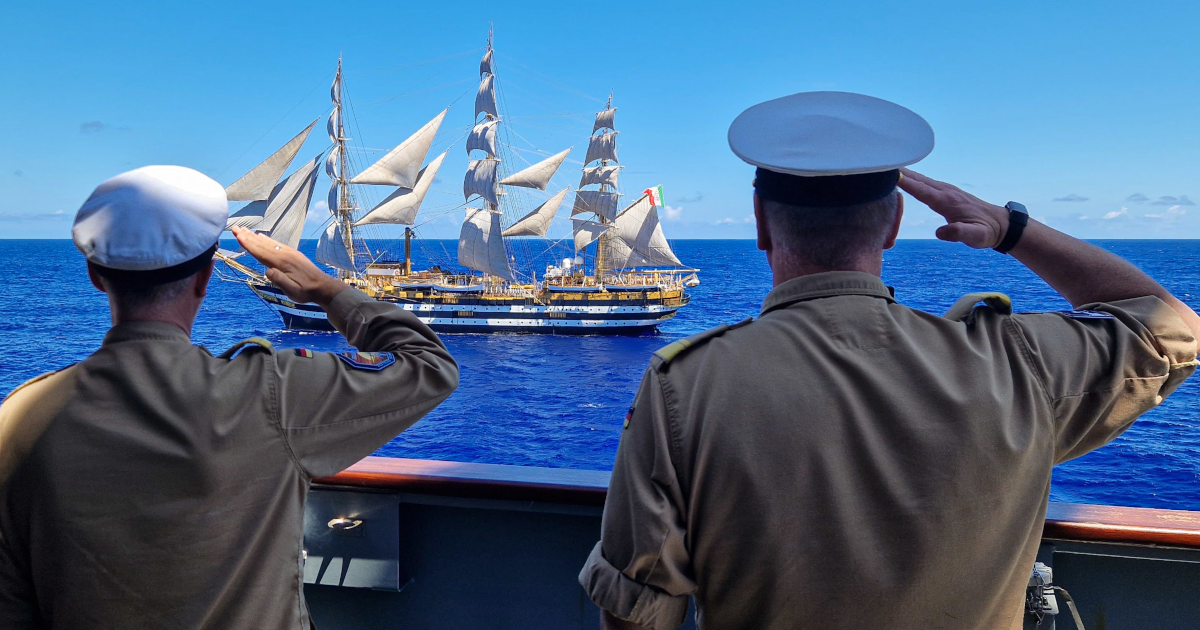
[(1064, 521), (1125, 567)]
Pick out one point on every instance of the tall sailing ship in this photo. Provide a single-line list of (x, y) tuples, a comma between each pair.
[(635, 283)]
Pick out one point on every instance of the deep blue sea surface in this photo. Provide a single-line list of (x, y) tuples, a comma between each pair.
[(555, 401)]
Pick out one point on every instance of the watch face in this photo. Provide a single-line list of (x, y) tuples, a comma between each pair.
[(1016, 207)]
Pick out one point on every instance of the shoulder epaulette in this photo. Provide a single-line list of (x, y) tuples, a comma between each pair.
[(966, 304), (252, 341), (33, 380), (671, 351)]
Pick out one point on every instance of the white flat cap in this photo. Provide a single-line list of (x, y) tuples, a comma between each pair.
[(151, 218), (830, 133)]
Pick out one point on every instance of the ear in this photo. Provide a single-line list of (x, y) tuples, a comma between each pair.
[(895, 232), (760, 221), (94, 276), (200, 288)]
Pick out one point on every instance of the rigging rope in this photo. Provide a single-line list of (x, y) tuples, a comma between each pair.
[(272, 127), (417, 64)]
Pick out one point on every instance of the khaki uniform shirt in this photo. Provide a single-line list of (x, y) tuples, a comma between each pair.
[(153, 485), (847, 462)]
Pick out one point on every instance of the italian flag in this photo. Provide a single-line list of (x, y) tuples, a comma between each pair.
[(656, 195)]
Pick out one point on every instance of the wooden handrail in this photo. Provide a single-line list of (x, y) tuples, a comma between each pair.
[(484, 481), (1076, 521), (1066, 521)]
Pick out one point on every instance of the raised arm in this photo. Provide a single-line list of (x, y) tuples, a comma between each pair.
[(1080, 272), (335, 409)]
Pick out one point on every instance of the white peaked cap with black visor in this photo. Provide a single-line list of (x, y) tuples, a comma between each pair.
[(828, 149), (164, 219)]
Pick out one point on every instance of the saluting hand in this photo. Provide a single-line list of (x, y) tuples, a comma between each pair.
[(969, 219), (290, 270)]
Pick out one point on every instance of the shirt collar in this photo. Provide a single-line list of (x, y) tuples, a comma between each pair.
[(132, 331), (828, 284)]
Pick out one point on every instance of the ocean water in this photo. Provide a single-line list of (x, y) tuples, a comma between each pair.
[(559, 401)]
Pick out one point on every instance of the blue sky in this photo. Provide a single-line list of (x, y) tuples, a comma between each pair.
[(1086, 112)]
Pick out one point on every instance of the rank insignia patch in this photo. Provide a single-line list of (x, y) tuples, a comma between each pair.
[(304, 352), (372, 361), (1087, 314)]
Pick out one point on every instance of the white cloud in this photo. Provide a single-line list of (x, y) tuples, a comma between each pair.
[(318, 217), (672, 213), (1124, 212), (1171, 214), (733, 221), (56, 215)]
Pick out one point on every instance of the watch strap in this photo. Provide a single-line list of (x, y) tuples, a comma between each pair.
[(1016, 226)]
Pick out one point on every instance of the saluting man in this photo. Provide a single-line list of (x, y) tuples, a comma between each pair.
[(153, 485), (845, 461)]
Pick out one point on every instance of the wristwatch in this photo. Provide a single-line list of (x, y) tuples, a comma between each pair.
[(1018, 216)]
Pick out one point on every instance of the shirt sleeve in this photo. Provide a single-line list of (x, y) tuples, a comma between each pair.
[(17, 610), (334, 413), (1105, 366), (640, 571)]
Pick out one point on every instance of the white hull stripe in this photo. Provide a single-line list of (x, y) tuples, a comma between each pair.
[(540, 322)]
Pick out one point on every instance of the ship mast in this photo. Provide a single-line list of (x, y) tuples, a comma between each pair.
[(600, 242), (337, 129), (481, 243), (602, 202), (488, 116)]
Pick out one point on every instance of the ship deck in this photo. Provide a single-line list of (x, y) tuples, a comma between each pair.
[(460, 545)]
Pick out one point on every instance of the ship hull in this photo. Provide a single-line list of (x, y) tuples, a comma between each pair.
[(564, 315)]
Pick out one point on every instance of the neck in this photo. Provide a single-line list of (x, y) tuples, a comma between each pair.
[(180, 315), (786, 266)]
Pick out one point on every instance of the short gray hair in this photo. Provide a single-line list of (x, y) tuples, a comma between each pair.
[(131, 292), (831, 238)]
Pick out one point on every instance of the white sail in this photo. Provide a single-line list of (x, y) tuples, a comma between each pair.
[(601, 175), (481, 180), (264, 215), (251, 214), (536, 223), (258, 183), (331, 248), (587, 231), (400, 207), (604, 119), (637, 239), (288, 228), (335, 95), (538, 175), (485, 64), (335, 90), (480, 245), (331, 162), (602, 203), (331, 200), (332, 168), (331, 124), (485, 98), (483, 137), (401, 165), (602, 147)]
